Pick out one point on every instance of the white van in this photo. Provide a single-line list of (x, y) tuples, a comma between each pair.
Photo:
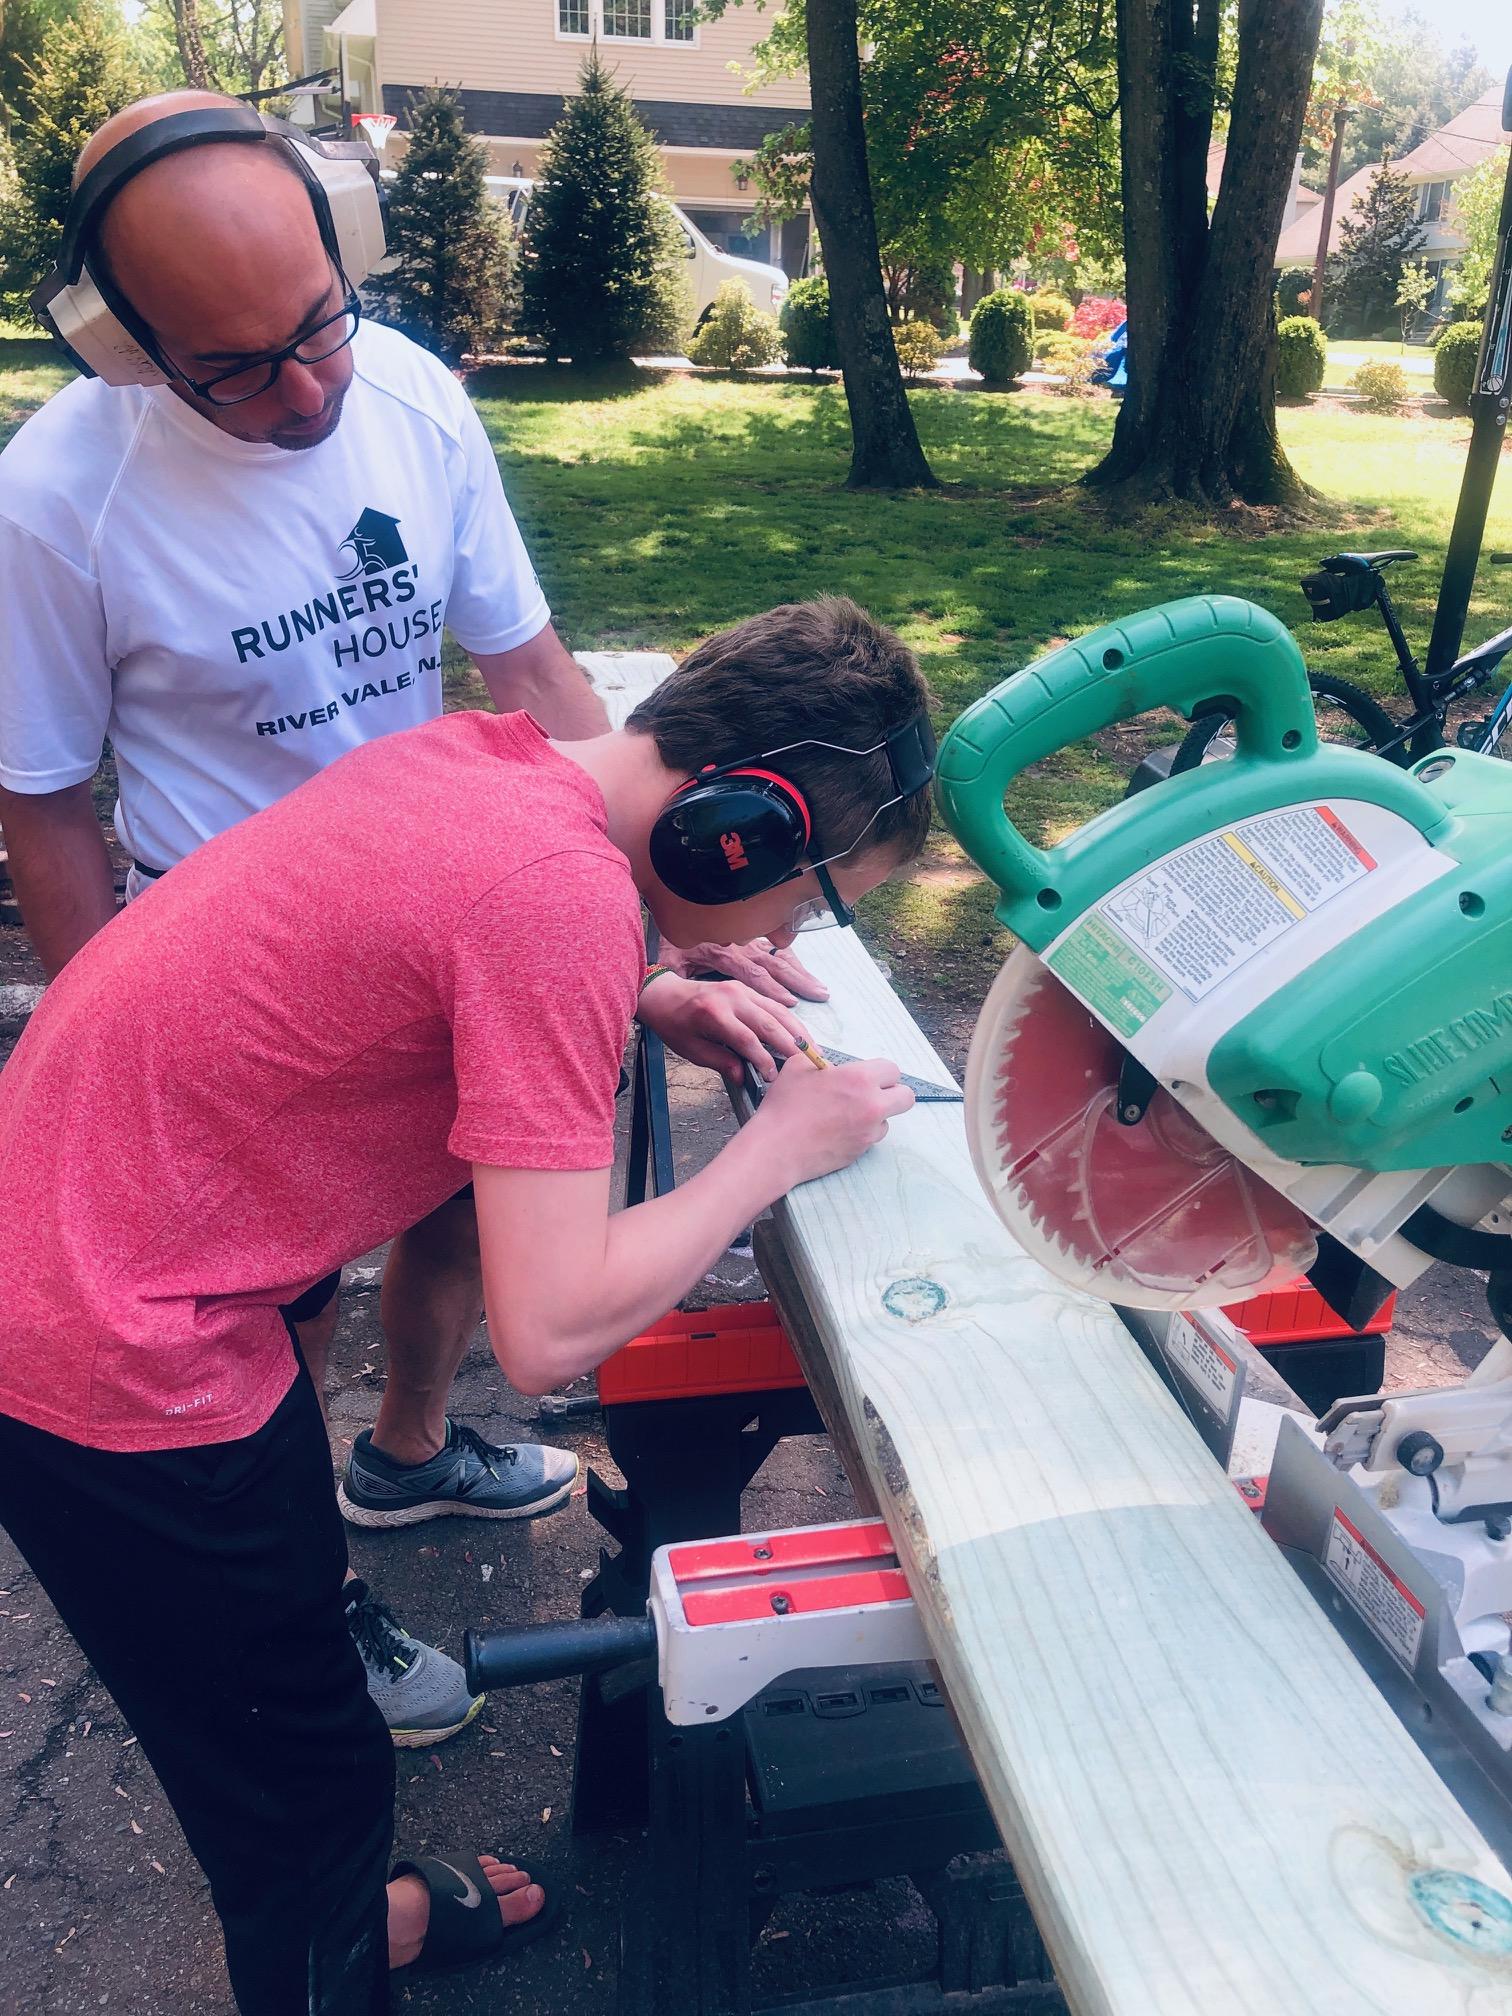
[(709, 268)]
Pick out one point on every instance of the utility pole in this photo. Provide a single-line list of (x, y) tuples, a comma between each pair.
[(1341, 114)]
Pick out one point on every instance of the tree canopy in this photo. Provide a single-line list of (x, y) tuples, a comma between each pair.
[(1397, 76), (604, 258), (989, 128), (86, 68), (1476, 211), (451, 279)]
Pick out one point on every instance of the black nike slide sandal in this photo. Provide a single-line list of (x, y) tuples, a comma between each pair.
[(464, 1927)]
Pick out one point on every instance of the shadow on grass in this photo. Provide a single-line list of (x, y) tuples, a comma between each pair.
[(30, 353), (559, 384)]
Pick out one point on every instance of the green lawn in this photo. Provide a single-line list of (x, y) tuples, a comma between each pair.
[(1338, 373), (659, 508)]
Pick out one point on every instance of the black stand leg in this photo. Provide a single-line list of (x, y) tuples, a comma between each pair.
[(685, 1946), (988, 1938)]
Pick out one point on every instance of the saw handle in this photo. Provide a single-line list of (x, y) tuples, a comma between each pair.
[(1187, 655)]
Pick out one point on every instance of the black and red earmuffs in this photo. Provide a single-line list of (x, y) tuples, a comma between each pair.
[(738, 829)]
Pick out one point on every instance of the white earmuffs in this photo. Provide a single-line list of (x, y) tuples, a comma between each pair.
[(85, 311)]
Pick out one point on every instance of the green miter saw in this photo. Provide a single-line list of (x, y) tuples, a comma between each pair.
[(1259, 1023)]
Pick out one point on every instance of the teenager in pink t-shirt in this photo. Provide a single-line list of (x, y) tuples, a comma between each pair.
[(420, 965)]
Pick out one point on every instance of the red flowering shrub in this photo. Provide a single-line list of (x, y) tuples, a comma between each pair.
[(1097, 314)]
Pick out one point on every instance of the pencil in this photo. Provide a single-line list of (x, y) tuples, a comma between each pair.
[(816, 1057)]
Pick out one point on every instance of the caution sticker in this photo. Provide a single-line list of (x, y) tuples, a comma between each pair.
[(1205, 1363), (1210, 907), (1376, 1591)]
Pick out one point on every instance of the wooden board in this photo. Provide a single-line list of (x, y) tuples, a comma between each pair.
[(1210, 1807), (622, 679), (1208, 1804)]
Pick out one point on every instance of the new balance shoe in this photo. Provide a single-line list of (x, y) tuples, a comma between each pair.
[(467, 1478), (422, 1694)]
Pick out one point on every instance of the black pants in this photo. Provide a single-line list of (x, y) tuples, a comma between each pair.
[(204, 1586)]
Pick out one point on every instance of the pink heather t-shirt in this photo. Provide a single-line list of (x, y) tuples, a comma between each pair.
[(289, 1049)]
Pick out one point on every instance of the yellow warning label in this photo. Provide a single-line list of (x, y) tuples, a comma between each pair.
[(1256, 866), (1198, 915)]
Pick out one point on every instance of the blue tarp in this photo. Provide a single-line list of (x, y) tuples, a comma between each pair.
[(1114, 369)]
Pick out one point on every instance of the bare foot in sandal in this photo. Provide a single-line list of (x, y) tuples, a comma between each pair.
[(409, 1903)]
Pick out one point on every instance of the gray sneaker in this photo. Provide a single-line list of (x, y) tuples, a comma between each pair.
[(467, 1478), (422, 1694)]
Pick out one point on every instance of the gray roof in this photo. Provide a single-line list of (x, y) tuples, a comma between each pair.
[(530, 115)]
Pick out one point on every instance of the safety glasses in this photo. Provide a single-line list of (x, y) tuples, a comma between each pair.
[(823, 913)]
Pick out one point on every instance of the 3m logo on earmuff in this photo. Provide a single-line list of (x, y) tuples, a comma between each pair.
[(742, 819)]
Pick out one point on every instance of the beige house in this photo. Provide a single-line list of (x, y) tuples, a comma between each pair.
[(1432, 169), (514, 61)]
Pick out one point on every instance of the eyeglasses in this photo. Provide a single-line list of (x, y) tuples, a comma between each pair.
[(250, 381), (822, 913)]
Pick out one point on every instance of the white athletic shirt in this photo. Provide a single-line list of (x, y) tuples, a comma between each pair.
[(236, 616)]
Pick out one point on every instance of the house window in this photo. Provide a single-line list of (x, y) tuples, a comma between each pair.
[(1431, 199), (627, 20), (656, 21)]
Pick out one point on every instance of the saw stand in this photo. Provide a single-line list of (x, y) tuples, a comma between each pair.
[(826, 1779)]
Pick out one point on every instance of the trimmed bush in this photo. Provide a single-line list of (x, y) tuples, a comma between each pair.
[(808, 337), (1382, 387), (1293, 291), (1058, 349), (735, 335), (918, 348), (1002, 336), (1050, 311), (1098, 314), (1301, 357), (1454, 358)]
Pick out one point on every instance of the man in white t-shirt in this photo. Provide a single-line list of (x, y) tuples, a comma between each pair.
[(237, 594)]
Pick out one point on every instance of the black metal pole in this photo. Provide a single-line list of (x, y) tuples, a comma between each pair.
[(1489, 401)]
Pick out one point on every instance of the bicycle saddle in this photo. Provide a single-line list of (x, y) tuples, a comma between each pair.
[(1365, 563)]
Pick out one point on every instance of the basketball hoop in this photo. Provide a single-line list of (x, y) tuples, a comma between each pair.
[(377, 127)]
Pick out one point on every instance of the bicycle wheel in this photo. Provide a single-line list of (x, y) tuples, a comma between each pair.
[(1346, 714)]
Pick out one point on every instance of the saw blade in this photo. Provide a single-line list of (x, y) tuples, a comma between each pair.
[(1156, 1216)]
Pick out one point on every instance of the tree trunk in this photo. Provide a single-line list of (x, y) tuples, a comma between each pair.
[(191, 46), (885, 450), (1198, 421)]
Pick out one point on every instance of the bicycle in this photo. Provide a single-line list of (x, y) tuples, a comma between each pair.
[(1345, 585)]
